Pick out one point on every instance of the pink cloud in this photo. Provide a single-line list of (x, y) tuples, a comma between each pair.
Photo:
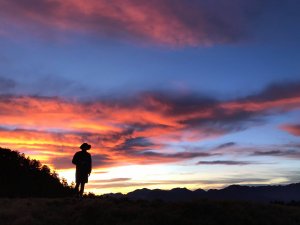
[(293, 129), (166, 22)]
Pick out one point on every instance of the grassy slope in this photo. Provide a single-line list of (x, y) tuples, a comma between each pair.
[(118, 212)]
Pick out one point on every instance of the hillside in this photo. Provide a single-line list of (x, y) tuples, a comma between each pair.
[(108, 211), (24, 177)]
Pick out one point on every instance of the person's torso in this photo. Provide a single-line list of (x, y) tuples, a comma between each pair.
[(83, 160)]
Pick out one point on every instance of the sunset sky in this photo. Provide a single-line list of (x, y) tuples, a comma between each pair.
[(169, 93)]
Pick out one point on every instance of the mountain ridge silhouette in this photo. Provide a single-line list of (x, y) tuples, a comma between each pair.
[(266, 193)]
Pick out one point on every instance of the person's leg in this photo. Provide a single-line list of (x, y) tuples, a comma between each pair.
[(77, 189), (81, 189)]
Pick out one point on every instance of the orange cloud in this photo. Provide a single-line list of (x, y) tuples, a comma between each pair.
[(136, 130)]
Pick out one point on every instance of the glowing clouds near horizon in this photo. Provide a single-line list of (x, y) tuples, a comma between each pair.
[(149, 129)]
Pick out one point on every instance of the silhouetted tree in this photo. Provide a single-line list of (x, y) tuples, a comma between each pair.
[(22, 177)]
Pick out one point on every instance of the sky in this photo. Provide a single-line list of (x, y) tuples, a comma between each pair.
[(169, 93)]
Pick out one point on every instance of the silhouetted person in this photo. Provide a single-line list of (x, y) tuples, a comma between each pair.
[(83, 162)]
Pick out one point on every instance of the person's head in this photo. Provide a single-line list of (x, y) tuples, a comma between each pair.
[(85, 147)]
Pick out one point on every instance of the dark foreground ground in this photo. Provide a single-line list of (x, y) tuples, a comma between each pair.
[(120, 212)]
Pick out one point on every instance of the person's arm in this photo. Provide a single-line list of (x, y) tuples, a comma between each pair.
[(90, 164), (75, 159)]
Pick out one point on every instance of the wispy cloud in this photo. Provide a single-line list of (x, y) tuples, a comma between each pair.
[(225, 145), (227, 162), (295, 154), (285, 151)]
